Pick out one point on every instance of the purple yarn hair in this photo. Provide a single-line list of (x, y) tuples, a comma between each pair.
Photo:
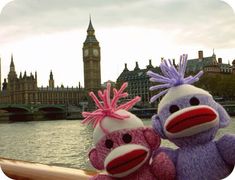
[(171, 77)]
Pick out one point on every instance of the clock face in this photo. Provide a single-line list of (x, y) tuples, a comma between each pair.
[(95, 52), (86, 52)]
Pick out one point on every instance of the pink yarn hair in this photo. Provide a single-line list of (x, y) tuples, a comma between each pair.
[(109, 107)]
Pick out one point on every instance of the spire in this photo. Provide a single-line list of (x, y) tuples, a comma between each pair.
[(213, 53), (90, 34), (126, 69), (12, 66), (51, 75), (51, 80), (25, 74), (31, 75), (90, 27), (12, 62), (150, 64), (36, 76), (136, 66)]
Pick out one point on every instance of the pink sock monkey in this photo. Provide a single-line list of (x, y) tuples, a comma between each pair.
[(123, 146)]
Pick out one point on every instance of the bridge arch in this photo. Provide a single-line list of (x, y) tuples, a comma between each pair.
[(51, 112), (15, 113), (14, 109), (51, 107)]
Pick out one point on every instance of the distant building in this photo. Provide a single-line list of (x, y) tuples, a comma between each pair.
[(138, 82), (91, 61), (24, 89), (208, 65), (218, 77)]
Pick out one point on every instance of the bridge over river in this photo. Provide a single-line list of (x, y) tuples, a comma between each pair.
[(29, 112), (18, 112)]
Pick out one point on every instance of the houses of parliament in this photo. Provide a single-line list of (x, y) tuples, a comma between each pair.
[(23, 89)]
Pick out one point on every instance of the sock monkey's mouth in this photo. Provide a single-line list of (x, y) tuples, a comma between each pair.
[(192, 121), (126, 162)]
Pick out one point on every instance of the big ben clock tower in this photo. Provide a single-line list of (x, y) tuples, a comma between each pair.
[(91, 61)]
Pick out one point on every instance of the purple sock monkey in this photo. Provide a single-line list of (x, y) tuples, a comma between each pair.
[(190, 118)]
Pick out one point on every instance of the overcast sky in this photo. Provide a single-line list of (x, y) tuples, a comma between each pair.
[(46, 35)]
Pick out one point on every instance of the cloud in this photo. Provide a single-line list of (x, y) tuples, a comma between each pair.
[(194, 21), (35, 31)]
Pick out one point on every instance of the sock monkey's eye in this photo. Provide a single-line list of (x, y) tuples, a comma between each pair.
[(194, 101), (127, 138), (108, 143), (173, 108)]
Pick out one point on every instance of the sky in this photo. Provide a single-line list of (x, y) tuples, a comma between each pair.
[(45, 35)]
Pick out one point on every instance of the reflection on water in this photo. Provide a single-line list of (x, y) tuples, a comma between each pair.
[(61, 143)]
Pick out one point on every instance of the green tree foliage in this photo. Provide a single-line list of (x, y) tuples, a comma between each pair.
[(220, 85)]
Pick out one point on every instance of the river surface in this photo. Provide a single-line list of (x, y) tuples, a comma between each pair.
[(62, 143)]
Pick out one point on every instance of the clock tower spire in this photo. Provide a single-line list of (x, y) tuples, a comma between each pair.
[(91, 60)]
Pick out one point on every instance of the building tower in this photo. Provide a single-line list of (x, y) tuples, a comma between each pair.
[(91, 61), (12, 74), (51, 81), (12, 67), (12, 79)]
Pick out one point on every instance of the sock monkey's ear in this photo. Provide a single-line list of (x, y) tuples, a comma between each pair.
[(95, 160), (157, 126), (223, 115), (152, 138)]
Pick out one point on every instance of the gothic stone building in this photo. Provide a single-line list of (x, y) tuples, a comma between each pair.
[(209, 65), (139, 84), (218, 78), (91, 61), (24, 89)]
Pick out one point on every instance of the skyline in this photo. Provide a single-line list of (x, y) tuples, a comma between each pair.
[(46, 36)]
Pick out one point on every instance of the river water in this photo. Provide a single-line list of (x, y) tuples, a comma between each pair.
[(61, 143)]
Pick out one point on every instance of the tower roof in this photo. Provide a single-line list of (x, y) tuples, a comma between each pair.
[(12, 63), (125, 69), (150, 64), (51, 75), (90, 34), (213, 55), (136, 66), (90, 27)]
